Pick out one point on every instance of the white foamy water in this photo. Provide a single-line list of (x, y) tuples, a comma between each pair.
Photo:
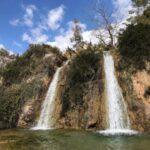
[(46, 121), (117, 116), (118, 132)]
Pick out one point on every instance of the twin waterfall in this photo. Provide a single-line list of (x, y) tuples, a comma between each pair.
[(46, 120), (117, 116)]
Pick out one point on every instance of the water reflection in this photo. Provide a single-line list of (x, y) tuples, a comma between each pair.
[(69, 140)]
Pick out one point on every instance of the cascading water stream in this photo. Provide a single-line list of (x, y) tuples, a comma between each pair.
[(117, 116), (46, 121)]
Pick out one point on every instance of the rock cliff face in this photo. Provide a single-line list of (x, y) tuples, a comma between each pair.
[(80, 100), (92, 113), (80, 104), (32, 107), (135, 86), (24, 85), (141, 87), (5, 58)]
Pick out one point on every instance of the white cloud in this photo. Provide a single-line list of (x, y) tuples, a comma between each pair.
[(27, 18), (26, 37), (71, 25), (9, 51), (62, 41), (122, 8), (17, 44), (15, 22), (35, 36), (36, 31), (122, 13), (55, 17), (2, 46), (90, 36)]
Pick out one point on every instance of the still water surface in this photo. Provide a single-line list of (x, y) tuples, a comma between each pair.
[(69, 140)]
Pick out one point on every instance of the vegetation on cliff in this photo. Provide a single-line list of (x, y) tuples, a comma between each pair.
[(83, 69), (134, 43), (23, 80), (26, 79), (133, 67), (31, 62), (3, 52)]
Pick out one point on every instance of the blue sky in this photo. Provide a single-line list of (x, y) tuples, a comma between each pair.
[(44, 21)]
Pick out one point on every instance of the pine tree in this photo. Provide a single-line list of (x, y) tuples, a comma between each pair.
[(77, 38), (140, 3)]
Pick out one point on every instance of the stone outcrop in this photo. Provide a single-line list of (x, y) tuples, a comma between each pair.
[(80, 106), (141, 87), (91, 115), (135, 86), (24, 84), (69, 54), (5, 58), (30, 110)]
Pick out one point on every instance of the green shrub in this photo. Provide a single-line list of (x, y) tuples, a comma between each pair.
[(3, 52), (134, 45), (15, 91), (147, 92), (10, 107), (133, 105), (140, 3), (27, 64), (40, 50), (13, 98), (83, 68)]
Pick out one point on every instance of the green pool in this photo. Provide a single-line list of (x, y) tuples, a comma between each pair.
[(69, 140)]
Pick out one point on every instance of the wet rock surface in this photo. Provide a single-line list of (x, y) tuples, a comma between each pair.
[(134, 84)]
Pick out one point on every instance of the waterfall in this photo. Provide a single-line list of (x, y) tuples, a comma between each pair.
[(117, 116), (46, 121)]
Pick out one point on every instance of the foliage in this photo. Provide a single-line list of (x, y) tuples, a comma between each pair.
[(139, 3), (107, 24), (40, 50), (134, 43), (133, 105), (77, 38), (13, 98), (3, 52), (83, 68), (26, 64), (145, 18), (10, 105), (23, 80), (147, 92)]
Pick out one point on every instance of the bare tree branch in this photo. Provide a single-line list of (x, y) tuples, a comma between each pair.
[(106, 21)]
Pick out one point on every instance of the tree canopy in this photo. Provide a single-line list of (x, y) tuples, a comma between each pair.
[(134, 42), (140, 2), (77, 38)]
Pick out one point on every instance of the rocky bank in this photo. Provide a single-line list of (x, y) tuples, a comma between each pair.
[(80, 101)]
